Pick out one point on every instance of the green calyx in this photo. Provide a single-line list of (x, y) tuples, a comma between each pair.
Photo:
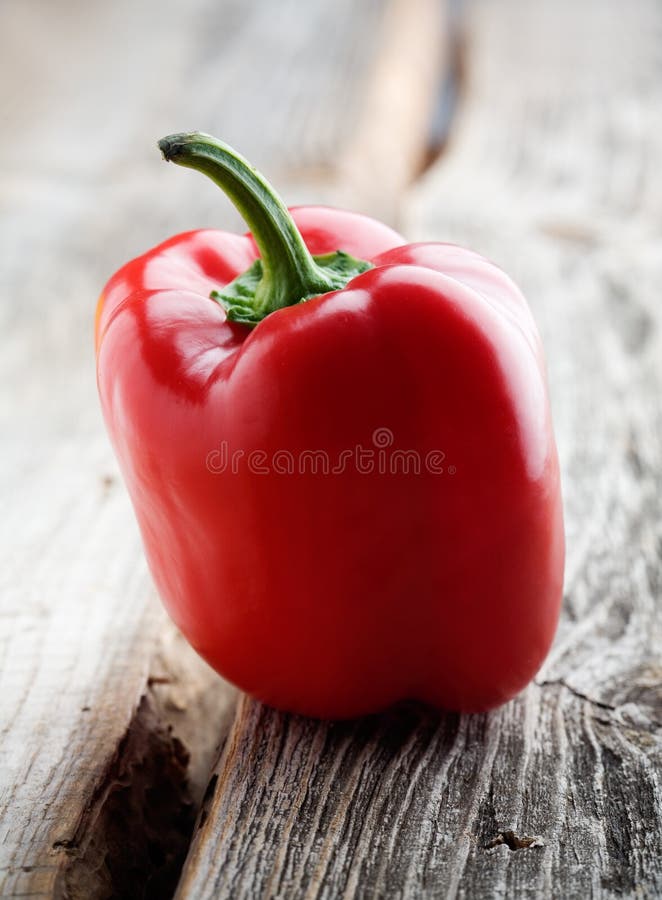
[(286, 273), (238, 298)]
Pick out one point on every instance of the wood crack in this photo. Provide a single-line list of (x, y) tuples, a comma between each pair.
[(599, 704), (514, 842), (132, 839), (561, 682)]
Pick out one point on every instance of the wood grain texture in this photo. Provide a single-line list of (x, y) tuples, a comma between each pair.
[(92, 677), (390, 140), (552, 172)]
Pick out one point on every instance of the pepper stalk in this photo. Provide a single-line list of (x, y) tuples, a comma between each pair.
[(286, 272)]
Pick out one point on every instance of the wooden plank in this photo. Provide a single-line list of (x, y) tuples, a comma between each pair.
[(92, 675), (390, 141), (551, 172)]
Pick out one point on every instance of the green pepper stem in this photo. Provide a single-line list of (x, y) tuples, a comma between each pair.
[(289, 273)]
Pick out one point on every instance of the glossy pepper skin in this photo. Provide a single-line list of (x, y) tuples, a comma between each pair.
[(307, 578)]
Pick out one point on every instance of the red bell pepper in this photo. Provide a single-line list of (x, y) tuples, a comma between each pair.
[(342, 463)]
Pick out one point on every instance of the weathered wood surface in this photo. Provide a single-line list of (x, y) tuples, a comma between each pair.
[(553, 171), (95, 793)]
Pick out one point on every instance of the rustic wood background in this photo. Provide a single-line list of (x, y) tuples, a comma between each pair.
[(128, 769)]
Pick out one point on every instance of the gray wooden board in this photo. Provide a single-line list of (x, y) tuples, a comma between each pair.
[(553, 171)]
